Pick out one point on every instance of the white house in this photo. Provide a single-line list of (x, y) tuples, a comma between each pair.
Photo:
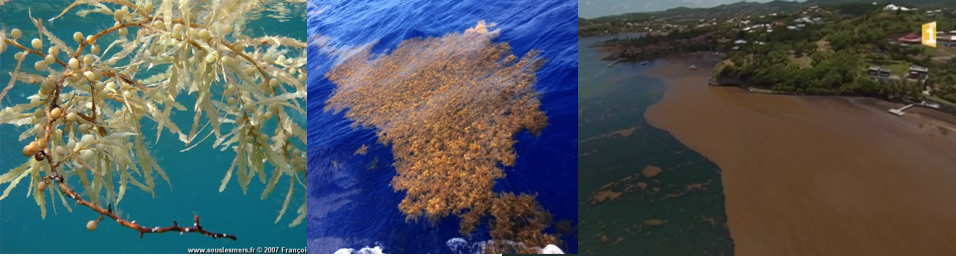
[(948, 39), (892, 7)]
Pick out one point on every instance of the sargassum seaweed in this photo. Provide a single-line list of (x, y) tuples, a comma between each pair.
[(449, 106)]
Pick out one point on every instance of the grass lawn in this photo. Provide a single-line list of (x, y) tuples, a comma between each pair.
[(901, 69), (940, 51)]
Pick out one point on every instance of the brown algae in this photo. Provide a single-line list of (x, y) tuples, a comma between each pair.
[(449, 106)]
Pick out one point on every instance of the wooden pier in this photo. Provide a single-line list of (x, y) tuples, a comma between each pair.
[(899, 111), (615, 62)]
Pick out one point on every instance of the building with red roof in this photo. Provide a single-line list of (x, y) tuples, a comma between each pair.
[(911, 38)]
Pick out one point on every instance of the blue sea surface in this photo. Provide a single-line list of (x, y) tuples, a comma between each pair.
[(351, 204), (195, 175)]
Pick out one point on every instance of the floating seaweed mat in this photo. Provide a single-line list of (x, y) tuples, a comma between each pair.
[(449, 106)]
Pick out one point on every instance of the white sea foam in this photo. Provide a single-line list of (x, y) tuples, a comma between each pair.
[(365, 250), (462, 246), (457, 245), (551, 249)]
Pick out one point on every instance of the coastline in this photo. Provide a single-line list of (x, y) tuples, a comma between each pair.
[(817, 175)]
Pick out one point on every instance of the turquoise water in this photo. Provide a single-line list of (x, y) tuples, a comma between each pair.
[(194, 175), (689, 200)]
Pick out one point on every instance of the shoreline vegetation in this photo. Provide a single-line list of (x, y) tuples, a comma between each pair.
[(816, 50)]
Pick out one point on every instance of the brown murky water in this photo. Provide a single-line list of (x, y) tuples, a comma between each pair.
[(808, 175)]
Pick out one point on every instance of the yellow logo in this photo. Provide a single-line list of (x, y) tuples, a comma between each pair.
[(929, 34)]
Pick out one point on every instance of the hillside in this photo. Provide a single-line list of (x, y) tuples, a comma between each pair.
[(814, 50), (756, 8)]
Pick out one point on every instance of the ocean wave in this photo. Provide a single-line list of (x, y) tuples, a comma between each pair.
[(457, 246), (462, 246), (551, 249), (364, 250)]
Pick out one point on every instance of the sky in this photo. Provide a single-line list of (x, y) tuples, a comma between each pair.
[(597, 8)]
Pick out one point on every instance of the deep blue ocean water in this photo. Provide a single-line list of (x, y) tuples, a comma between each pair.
[(195, 175), (351, 205)]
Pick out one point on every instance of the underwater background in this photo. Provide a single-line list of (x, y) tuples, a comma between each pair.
[(195, 174), (352, 207)]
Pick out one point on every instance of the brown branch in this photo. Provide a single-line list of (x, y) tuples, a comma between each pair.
[(96, 36), (55, 177), (127, 79), (38, 53), (238, 52), (142, 23), (196, 228)]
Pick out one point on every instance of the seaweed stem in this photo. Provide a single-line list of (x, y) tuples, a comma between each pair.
[(196, 228)]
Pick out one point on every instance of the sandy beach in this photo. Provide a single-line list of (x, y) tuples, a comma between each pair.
[(818, 175)]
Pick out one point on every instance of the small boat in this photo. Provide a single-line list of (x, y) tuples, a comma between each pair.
[(643, 63)]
